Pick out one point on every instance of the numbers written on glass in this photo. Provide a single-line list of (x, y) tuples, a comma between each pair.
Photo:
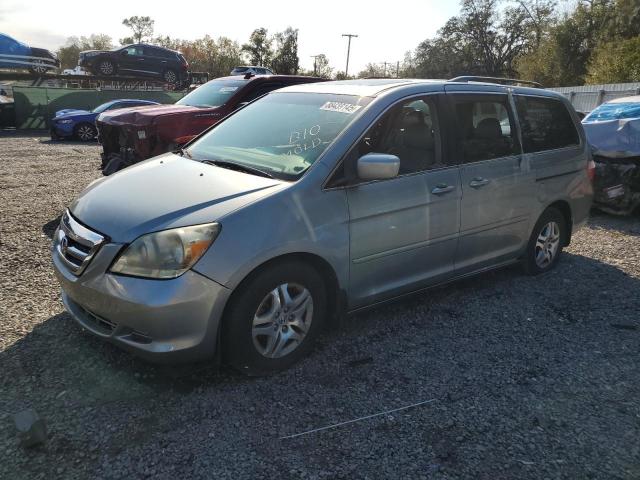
[(303, 140)]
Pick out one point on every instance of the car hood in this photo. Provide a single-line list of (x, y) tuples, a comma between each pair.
[(164, 192), (70, 112), (144, 116)]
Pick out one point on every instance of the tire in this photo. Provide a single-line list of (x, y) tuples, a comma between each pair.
[(280, 337), (114, 164), (105, 67), (85, 132), (546, 242), (39, 68), (170, 76)]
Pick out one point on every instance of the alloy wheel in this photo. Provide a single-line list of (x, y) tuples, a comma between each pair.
[(170, 76), (282, 320), (106, 68), (85, 133), (547, 244), (39, 67)]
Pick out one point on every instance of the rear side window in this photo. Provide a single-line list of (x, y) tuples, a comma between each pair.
[(484, 128), (546, 124)]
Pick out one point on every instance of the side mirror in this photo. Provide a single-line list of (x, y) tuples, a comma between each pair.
[(124, 53), (378, 166)]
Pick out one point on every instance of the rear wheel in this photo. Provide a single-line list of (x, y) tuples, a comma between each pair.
[(39, 67), (170, 76), (85, 132), (546, 242), (106, 67), (274, 318)]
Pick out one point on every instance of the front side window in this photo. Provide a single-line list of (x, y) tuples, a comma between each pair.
[(212, 94), (282, 134), (546, 124), (484, 129), (134, 51)]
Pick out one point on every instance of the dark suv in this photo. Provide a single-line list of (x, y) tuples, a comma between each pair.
[(138, 60), (130, 135)]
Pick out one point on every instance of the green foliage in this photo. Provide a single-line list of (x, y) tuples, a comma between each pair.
[(259, 47), (141, 27), (285, 60), (322, 67), (68, 54), (216, 56), (615, 62)]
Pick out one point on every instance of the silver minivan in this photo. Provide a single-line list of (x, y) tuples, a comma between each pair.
[(316, 201)]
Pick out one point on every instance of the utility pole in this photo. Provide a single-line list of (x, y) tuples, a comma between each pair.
[(315, 64), (350, 35), (385, 69)]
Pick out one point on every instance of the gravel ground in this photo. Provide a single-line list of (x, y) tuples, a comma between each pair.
[(529, 377)]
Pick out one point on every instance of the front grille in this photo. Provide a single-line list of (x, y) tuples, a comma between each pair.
[(75, 244)]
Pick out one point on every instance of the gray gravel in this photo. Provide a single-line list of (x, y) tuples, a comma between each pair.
[(531, 377)]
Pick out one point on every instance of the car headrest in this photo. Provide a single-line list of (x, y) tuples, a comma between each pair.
[(413, 118), (489, 128)]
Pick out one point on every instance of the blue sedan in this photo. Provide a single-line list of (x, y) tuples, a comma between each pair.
[(18, 55), (81, 124)]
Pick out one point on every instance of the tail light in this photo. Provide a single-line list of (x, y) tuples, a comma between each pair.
[(591, 169)]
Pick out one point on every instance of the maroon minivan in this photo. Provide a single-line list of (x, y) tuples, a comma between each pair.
[(134, 134)]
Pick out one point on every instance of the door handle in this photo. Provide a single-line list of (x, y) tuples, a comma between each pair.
[(478, 182), (442, 189)]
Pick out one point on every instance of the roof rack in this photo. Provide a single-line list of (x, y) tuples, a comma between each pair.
[(501, 81)]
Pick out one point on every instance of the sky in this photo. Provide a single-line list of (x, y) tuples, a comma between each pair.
[(384, 32)]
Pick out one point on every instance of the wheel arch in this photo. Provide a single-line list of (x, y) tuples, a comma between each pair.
[(565, 209), (336, 304)]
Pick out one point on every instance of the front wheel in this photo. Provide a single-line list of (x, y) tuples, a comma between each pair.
[(106, 67), (85, 132), (274, 318), (546, 242)]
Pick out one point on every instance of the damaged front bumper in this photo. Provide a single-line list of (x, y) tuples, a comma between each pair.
[(617, 184), (122, 146)]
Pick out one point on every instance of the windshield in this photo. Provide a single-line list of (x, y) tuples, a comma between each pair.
[(212, 94), (103, 107), (614, 111), (282, 134)]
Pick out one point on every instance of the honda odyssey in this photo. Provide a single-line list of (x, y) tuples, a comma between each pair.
[(319, 200)]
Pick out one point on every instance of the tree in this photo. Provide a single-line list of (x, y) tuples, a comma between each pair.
[(218, 57), (141, 27), (68, 54), (371, 70), (285, 60), (615, 62), (323, 69), (259, 47)]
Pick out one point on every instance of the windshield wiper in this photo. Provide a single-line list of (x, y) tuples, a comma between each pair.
[(238, 167)]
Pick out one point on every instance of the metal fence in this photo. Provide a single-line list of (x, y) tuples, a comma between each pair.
[(588, 97), (35, 106)]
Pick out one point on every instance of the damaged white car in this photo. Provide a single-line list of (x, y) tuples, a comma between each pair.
[(613, 130)]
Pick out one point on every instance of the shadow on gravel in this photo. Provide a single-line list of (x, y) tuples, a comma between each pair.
[(92, 372), (629, 225), (50, 227)]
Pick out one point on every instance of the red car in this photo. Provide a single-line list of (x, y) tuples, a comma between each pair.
[(134, 134)]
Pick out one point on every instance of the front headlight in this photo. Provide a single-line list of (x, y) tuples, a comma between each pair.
[(168, 253)]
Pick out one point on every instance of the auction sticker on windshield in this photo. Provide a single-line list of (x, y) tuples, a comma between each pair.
[(228, 89), (348, 108)]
